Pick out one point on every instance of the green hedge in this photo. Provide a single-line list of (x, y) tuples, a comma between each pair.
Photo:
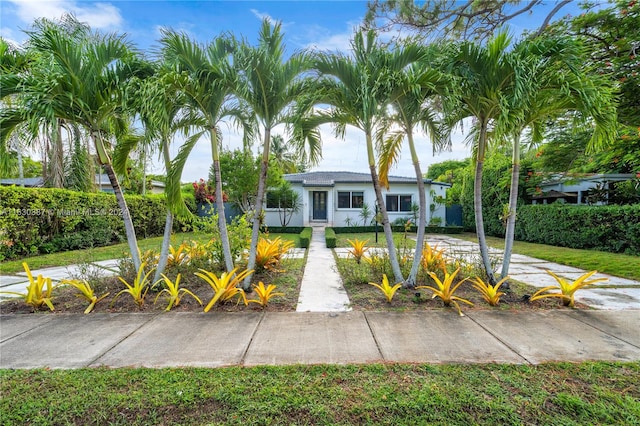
[(607, 228), (285, 229), (46, 220), (330, 237), (395, 228), (305, 237)]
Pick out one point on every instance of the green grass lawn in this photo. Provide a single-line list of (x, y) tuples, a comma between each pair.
[(394, 394), (116, 251)]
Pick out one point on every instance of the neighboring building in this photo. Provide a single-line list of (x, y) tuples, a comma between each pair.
[(577, 190), (101, 181), (337, 198)]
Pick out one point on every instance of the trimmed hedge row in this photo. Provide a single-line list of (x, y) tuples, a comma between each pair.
[(613, 229), (330, 237), (399, 228), (305, 237), (47, 220), (305, 233)]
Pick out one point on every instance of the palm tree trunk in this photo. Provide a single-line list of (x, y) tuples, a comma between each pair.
[(16, 145), (513, 205), (477, 202), (422, 219), (255, 231), (222, 220), (382, 208), (126, 217), (56, 164), (168, 224)]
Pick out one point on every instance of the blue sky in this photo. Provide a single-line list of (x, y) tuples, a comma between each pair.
[(326, 25)]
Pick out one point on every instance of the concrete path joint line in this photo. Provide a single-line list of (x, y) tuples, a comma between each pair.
[(373, 335), (135, 330), (504, 342), (37, 326), (253, 335), (602, 330)]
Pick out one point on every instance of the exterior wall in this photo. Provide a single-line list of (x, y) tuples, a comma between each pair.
[(338, 216), (272, 217)]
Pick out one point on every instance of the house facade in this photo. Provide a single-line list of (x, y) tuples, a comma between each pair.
[(338, 198), (577, 190)]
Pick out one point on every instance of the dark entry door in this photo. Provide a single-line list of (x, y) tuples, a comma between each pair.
[(319, 205)]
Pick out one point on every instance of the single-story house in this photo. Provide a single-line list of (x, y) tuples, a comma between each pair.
[(338, 198), (576, 190), (101, 181)]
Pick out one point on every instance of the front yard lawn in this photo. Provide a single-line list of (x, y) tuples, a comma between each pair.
[(391, 394)]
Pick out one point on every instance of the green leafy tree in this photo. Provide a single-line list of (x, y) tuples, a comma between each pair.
[(241, 170), (611, 36), (445, 171), (478, 19)]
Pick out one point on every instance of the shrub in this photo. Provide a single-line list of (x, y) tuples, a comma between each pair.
[(607, 228), (330, 237), (49, 220), (399, 228), (305, 237)]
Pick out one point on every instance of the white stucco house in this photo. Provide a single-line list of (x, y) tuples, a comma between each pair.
[(575, 190), (337, 198)]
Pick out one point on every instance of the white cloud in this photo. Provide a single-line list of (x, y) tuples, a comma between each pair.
[(263, 15), (97, 15), (326, 40), (11, 37)]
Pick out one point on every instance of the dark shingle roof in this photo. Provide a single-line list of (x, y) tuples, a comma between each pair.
[(28, 182), (331, 178)]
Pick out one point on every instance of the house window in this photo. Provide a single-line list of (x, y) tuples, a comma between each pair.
[(350, 199), (398, 203), (272, 201)]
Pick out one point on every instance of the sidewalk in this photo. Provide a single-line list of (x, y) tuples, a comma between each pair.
[(321, 289), (271, 338)]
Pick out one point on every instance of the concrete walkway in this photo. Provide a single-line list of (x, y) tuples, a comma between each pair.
[(321, 289), (271, 338)]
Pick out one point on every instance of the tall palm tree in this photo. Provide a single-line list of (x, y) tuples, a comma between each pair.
[(358, 89), (288, 161), (486, 78), (271, 86), (206, 77), (161, 107), (559, 85), (413, 100), (78, 77)]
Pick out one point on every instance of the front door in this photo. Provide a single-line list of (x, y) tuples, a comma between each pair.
[(319, 205)]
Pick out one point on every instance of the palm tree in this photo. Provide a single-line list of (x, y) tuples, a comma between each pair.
[(486, 78), (413, 102), (560, 85), (358, 89), (271, 87), (206, 77), (288, 161), (161, 107), (78, 77)]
